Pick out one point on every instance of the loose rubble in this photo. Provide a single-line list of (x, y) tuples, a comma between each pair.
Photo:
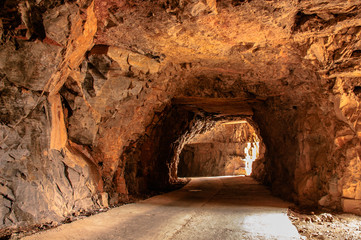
[(318, 225)]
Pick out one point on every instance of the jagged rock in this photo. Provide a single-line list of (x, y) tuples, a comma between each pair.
[(31, 65), (143, 63), (6, 200), (7, 193), (119, 55), (82, 126), (349, 192), (136, 88), (57, 22), (126, 59), (103, 199)]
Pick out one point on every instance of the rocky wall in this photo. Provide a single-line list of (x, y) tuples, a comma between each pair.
[(212, 159), (38, 184), (44, 178)]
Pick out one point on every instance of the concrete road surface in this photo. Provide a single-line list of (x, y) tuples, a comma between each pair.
[(206, 208)]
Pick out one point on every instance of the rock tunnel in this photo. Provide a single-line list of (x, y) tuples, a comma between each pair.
[(99, 98), (227, 149)]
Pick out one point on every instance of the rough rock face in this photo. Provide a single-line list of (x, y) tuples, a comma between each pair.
[(99, 97), (226, 149), (39, 183)]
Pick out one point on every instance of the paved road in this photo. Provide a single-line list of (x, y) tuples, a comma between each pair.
[(206, 208)]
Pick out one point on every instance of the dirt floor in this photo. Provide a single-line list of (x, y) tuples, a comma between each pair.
[(318, 225)]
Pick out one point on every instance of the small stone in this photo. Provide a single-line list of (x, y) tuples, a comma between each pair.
[(326, 217)]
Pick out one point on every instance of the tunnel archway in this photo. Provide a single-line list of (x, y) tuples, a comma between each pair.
[(228, 148), (152, 163)]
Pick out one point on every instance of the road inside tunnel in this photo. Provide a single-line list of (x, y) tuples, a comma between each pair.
[(233, 207)]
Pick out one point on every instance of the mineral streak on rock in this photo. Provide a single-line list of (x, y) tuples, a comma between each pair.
[(98, 107)]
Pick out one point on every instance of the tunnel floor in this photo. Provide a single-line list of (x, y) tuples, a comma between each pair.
[(207, 208)]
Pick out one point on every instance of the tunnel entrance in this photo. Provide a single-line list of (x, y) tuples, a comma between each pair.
[(228, 148)]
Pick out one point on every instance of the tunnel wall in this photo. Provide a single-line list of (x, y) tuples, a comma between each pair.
[(39, 182), (211, 159), (308, 147), (149, 161)]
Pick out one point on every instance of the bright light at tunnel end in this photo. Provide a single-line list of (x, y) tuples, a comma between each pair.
[(252, 153), (236, 158)]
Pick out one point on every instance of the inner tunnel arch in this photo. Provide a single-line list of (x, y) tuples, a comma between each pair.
[(228, 148), (153, 162)]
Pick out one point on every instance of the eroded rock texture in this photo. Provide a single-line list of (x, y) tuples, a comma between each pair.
[(99, 97)]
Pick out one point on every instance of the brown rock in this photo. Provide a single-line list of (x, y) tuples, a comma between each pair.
[(351, 206), (119, 55), (358, 191), (56, 22), (103, 199), (31, 65), (82, 125), (143, 63)]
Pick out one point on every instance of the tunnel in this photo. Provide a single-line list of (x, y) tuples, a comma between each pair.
[(107, 102), (227, 149)]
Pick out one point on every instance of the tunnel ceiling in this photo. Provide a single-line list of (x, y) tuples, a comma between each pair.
[(217, 106), (238, 47), (106, 93)]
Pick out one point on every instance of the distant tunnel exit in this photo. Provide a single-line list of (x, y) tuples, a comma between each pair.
[(229, 148)]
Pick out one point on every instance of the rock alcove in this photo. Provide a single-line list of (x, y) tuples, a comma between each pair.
[(98, 98)]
